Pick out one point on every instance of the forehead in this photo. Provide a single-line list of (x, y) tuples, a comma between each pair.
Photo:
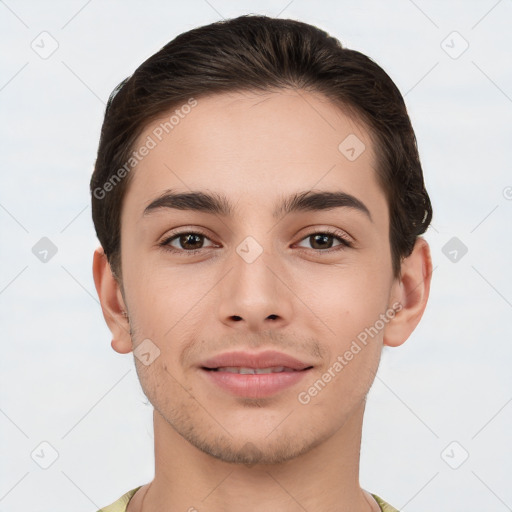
[(255, 147)]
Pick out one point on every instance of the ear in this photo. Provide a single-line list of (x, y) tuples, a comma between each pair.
[(410, 294), (112, 303)]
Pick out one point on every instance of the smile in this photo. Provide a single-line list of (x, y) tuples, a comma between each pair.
[(252, 371)]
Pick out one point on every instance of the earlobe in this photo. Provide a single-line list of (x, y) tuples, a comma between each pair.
[(112, 304), (411, 291)]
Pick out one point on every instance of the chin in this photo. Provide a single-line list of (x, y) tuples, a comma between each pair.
[(251, 453)]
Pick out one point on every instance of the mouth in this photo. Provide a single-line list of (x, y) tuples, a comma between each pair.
[(270, 361), (254, 375), (254, 371)]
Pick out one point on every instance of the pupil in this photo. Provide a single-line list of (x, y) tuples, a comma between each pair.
[(323, 239), (188, 239)]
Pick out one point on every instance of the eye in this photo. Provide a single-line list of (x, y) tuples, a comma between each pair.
[(185, 242), (322, 241)]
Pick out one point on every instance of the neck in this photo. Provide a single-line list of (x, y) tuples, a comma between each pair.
[(326, 478)]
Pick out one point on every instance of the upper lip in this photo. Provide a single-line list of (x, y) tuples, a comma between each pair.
[(266, 359)]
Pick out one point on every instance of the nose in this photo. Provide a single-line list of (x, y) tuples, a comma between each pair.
[(254, 295)]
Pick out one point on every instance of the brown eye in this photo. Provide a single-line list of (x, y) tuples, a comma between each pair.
[(190, 241), (323, 241), (186, 242)]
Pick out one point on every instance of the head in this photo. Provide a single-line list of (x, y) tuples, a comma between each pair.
[(255, 142)]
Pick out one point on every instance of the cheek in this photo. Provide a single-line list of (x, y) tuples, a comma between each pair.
[(161, 383), (350, 310), (164, 300), (353, 344), (347, 300)]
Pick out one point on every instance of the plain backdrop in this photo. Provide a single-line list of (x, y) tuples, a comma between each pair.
[(76, 428)]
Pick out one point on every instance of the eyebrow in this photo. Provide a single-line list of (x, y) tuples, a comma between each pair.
[(317, 201), (218, 204)]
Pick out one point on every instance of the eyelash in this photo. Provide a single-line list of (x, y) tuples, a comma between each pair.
[(339, 235)]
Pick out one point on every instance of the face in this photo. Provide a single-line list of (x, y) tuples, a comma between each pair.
[(261, 260)]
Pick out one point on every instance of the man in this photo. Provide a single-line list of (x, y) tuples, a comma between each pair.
[(259, 201)]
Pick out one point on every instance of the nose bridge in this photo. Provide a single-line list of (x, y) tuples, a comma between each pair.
[(253, 296)]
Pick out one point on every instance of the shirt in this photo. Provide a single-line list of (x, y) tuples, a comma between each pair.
[(122, 503)]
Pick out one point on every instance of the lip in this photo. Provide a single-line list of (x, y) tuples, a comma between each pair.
[(264, 359), (254, 385)]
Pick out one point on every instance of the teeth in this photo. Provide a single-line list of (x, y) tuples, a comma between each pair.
[(253, 371)]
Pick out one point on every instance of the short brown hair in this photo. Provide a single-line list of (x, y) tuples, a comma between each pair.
[(260, 53)]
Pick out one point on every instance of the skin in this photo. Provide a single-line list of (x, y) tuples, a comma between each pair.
[(215, 451)]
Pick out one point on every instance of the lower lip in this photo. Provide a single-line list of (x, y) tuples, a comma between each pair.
[(254, 385)]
